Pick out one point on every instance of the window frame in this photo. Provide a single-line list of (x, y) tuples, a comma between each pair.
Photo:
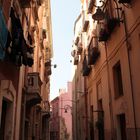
[(117, 80)]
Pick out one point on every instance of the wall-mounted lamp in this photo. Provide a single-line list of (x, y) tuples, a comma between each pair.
[(54, 65), (100, 14), (66, 108)]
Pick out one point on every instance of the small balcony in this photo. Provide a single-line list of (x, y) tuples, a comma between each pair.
[(76, 40), (103, 35), (45, 109), (76, 60), (48, 70), (48, 63), (33, 88), (93, 54), (39, 2), (108, 28), (73, 53), (111, 24), (90, 7), (35, 12), (86, 68), (79, 49), (25, 3), (44, 33)]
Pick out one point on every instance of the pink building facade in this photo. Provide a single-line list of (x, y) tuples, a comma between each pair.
[(65, 112)]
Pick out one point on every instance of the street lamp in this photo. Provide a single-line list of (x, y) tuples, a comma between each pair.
[(99, 15), (48, 63), (67, 107)]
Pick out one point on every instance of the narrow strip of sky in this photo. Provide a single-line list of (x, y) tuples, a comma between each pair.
[(64, 13)]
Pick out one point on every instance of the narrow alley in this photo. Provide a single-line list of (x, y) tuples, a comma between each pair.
[(99, 100)]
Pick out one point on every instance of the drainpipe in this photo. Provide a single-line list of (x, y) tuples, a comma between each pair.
[(0, 103), (110, 97), (76, 110), (24, 116), (128, 45), (18, 105), (86, 109)]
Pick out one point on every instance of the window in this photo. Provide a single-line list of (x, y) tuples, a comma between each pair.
[(30, 81), (99, 90), (118, 87), (121, 127), (1, 3)]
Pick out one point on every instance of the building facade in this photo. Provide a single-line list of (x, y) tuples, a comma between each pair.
[(55, 120), (61, 115), (25, 68), (109, 65), (65, 112)]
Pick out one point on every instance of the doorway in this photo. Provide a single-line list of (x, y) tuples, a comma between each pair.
[(121, 127), (6, 129), (3, 119)]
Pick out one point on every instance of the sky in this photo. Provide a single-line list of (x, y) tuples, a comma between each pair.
[(64, 13)]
